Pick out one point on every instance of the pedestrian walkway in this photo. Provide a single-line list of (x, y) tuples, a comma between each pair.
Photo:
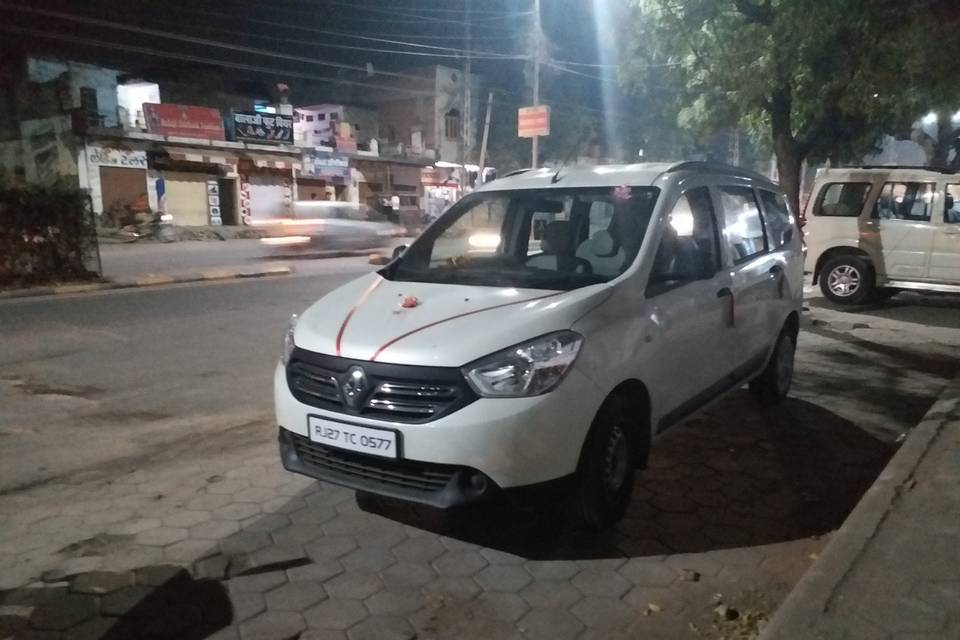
[(893, 569)]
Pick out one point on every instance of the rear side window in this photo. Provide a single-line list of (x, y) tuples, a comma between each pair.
[(776, 214), (951, 211), (905, 201), (743, 226), (842, 199)]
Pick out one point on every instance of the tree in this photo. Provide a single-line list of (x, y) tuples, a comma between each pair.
[(820, 79)]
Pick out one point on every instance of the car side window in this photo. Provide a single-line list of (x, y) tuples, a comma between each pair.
[(689, 248), (780, 224), (951, 212), (842, 199), (743, 224), (905, 201)]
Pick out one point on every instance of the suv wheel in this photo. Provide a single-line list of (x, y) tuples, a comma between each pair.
[(606, 469), (847, 280), (772, 386)]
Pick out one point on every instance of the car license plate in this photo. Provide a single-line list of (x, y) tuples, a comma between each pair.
[(377, 442)]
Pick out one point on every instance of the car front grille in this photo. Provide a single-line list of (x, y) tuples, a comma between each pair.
[(397, 393), (402, 474)]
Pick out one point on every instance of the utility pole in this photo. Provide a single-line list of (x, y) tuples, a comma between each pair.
[(486, 134), (536, 76), (465, 125)]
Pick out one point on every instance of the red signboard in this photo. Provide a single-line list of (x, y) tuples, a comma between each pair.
[(184, 121), (533, 121)]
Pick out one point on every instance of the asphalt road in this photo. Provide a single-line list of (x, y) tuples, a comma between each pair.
[(94, 377)]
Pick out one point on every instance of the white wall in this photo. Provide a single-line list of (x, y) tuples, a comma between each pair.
[(131, 97)]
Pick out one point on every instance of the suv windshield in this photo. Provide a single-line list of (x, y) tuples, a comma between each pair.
[(540, 239)]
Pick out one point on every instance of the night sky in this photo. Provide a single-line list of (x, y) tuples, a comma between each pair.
[(175, 36)]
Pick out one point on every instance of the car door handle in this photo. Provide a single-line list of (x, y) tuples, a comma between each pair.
[(729, 315)]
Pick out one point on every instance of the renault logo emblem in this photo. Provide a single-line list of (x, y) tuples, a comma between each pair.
[(354, 387)]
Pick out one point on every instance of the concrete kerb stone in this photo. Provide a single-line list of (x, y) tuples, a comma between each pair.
[(812, 596), (149, 280)]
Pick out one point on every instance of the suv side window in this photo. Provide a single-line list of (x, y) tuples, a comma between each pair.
[(842, 199), (743, 225), (776, 213), (905, 201), (951, 212), (690, 248)]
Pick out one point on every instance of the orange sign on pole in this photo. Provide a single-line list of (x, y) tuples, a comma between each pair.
[(533, 121)]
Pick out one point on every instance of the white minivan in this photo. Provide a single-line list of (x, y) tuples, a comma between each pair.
[(873, 231), (542, 332)]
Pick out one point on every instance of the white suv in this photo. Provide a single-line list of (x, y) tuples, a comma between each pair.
[(542, 332), (876, 230)]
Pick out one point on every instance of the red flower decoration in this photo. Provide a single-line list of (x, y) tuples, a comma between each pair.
[(409, 302)]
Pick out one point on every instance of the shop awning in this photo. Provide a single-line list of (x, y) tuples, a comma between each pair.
[(205, 156), (266, 161)]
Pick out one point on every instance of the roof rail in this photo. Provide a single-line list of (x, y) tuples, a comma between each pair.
[(516, 172), (945, 170), (719, 167)]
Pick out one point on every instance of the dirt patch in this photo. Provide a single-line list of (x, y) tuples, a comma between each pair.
[(31, 388), (743, 618)]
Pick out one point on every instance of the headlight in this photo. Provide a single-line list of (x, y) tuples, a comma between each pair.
[(288, 344), (528, 369)]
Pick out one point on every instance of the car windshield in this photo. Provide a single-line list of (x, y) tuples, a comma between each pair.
[(542, 239)]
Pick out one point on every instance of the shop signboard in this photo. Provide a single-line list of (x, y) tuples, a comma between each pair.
[(253, 126), (117, 157), (326, 165), (533, 121), (184, 121)]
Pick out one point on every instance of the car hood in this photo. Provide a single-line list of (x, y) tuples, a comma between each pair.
[(432, 324)]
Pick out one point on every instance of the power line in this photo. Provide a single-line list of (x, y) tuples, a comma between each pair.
[(228, 64), (205, 41), (394, 7), (397, 17), (447, 52), (490, 54)]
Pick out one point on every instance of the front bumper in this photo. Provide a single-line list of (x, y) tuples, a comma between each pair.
[(512, 442)]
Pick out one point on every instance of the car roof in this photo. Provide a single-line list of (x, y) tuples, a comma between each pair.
[(882, 170), (642, 174)]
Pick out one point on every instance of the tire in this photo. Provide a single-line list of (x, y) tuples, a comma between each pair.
[(607, 468), (847, 280), (771, 387)]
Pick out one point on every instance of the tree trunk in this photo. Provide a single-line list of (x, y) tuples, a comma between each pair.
[(789, 166), (945, 139)]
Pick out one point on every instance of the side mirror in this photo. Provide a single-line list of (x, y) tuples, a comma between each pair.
[(398, 251)]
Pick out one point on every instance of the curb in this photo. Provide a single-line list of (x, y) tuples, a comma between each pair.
[(815, 592), (150, 280)]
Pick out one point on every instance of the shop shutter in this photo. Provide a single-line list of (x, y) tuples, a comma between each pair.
[(187, 197), (267, 200)]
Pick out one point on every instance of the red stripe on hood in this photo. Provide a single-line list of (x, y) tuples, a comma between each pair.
[(392, 342), (353, 309)]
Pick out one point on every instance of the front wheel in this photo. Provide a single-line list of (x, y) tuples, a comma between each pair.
[(847, 280), (607, 467), (771, 387)]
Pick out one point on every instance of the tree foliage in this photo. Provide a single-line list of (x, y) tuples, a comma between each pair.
[(821, 79)]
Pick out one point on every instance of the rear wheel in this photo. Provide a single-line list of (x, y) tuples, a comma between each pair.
[(772, 386), (607, 468), (847, 280)]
